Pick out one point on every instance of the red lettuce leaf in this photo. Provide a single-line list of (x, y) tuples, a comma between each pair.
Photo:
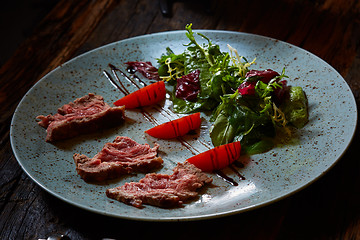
[(188, 86), (145, 68)]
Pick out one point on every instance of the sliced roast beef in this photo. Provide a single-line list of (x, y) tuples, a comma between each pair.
[(162, 190), (122, 156), (86, 114)]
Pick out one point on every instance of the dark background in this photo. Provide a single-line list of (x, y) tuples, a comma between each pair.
[(328, 209), (18, 19)]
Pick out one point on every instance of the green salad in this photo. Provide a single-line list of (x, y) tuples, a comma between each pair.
[(250, 106)]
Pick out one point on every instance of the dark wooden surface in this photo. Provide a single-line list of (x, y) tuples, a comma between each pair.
[(328, 209)]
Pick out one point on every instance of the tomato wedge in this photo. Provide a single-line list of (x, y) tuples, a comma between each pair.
[(145, 96), (176, 128), (217, 158)]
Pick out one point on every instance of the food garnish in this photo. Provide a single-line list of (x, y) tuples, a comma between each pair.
[(217, 158), (145, 96), (176, 128), (250, 106), (145, 68)]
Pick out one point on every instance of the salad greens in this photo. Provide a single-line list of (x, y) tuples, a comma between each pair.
[(250, 106)]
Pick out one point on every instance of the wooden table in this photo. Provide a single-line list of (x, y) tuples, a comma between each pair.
[(328, 209)]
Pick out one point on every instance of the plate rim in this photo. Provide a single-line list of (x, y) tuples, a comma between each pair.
[(197, 217)]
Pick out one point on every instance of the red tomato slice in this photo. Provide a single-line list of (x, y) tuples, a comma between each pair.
[(176, 128), (217, 158), (145, 96)]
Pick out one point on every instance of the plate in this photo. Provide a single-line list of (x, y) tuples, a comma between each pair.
[(268, 177)]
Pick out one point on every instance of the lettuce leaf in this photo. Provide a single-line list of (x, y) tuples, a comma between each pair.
[(234, 120), (295, 107), (252, 118), (171, 66)]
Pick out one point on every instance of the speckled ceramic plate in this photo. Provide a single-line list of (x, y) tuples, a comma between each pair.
[(268, 177)]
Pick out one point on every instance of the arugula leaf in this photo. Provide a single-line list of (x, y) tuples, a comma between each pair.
[(202, 58), (194, 60), (244, 103), (205, 51), (217, 76)]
